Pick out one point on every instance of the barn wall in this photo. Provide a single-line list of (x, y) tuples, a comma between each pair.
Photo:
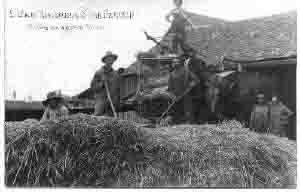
[(265, 80), (125, 87), (288, 90), (129, 85), (288, 86)]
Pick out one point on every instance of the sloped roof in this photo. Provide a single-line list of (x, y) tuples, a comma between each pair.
[(252, 39), (268, 37), (199, 20), (210, 42)]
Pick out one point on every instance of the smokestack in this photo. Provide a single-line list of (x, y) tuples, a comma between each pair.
[(14, 95)]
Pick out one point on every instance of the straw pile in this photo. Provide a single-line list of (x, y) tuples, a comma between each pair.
[(227, 155), (14, 129), (80, 150), (84, 150), (133, 116)]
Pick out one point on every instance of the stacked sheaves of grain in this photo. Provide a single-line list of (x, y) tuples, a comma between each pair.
[(84, 150), (227, 155), (80, 150)]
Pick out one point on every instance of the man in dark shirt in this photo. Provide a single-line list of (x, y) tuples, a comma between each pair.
[(110, 76), (180, 80)]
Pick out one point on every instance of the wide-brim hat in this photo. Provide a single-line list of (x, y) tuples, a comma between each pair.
[(177, 60), (260, 96), (109, 54), (53, 95)]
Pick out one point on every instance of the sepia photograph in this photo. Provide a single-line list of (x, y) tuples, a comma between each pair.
[(149, 94)]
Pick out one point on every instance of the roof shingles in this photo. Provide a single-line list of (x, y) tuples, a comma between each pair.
[(251, 39)]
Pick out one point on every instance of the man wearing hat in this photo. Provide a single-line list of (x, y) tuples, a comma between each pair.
[(260, 115), (55, 108), (106, 75)]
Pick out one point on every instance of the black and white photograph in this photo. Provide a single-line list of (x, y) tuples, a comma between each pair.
[(146, 94)]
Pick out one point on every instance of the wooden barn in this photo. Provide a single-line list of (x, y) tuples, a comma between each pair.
[(265, 48)]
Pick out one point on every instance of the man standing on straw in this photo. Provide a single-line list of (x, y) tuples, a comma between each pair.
[(180, 80), (105, 85)]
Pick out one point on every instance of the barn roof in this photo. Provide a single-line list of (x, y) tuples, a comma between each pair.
[(252, 39), (262, 38)]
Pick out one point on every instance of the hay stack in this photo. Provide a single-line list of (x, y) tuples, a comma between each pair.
[(227, 155), (84, 150), (80, 150)]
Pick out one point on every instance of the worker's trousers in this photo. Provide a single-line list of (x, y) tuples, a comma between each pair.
[(183, 111), (102, 108)]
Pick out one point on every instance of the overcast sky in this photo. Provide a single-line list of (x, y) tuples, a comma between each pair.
[(40, 61)]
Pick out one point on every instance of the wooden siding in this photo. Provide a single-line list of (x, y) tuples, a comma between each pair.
[(129, 86)]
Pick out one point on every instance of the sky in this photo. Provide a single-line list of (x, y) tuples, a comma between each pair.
[(41, 61)]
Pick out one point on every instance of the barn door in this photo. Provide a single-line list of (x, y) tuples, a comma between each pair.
[(266, 81), (269, 83)]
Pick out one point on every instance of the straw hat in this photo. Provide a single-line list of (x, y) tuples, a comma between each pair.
[(260, 96), (53, 95), (109, 54), (176, 62)]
